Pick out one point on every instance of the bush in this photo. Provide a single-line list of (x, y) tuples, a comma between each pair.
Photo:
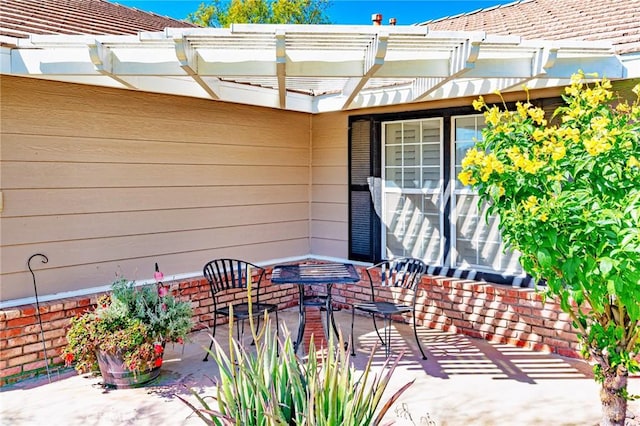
[(568, 197)]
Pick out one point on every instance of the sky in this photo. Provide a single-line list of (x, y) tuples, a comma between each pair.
[(347, 12)]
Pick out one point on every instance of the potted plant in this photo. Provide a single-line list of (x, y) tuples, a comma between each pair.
[(125, 335)]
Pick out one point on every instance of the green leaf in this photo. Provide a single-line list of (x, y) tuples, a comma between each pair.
[(606, 265)]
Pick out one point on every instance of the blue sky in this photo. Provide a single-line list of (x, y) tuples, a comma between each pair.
[(356, 12)]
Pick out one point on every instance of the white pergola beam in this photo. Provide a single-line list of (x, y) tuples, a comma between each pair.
[(462, 60), (543, 61), (374, 58), (185, 55), (610, 67), (71, 61), (312, 68), (101, 57), (281, 68)]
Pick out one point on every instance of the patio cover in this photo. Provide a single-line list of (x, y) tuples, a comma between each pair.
[(310, 68)]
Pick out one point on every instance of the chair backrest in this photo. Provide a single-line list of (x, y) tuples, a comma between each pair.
[(226, 274), (405, 272)]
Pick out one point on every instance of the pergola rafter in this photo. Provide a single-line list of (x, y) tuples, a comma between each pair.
[(310, 68)]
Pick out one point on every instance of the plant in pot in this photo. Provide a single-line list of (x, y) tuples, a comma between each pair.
[(124, 336)]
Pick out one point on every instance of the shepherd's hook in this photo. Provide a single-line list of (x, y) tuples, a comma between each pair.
[(45, 259)]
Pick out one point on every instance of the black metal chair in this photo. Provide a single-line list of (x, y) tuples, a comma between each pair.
[(403, 273), (229, 274)]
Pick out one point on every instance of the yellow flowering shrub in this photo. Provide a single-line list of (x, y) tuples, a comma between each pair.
[(568, 198)]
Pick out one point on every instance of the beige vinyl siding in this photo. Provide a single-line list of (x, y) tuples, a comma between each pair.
[(329, 197), (107, 181)]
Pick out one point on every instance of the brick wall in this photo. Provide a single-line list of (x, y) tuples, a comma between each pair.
[(493, 312), (497, 313), (21, 348)]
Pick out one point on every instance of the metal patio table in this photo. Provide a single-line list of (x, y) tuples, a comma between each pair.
[(305, 274)]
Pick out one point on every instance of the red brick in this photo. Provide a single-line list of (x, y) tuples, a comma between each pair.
[(8, 333), (6, 372), (35, 347), (521, 326), (557, 325), (534, 321), (57, 341), (565, 317), (22, 340), (548, 314), (572, 353), (59, 332), (10, 314), (85, 301), (70, 304), (28, 311), (52, 325), (34, 365), (555, 342), (18, 322), (535, 304), (524, 310), (10, 352), (56, 307), (568, 336), (24, 359), (51, 316)]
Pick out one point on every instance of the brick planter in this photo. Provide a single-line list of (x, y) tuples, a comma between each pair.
[(21, 349), (497, 313)]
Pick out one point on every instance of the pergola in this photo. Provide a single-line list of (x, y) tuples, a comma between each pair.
[(310, 68)]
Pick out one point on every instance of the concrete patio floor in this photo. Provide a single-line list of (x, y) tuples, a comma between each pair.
[(465, 381)]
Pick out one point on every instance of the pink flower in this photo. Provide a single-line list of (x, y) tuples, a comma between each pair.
[(158, 276), (68, 358), (158, 349), (158, 362), (162, 291), (179, 340), (164, 306)]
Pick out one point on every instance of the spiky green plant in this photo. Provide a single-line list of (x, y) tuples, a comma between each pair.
[(273, 386)]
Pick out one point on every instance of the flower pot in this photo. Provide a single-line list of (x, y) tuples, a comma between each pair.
[(115, 374)]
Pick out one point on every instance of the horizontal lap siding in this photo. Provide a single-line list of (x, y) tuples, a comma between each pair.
[(329, 202), (107, 181)]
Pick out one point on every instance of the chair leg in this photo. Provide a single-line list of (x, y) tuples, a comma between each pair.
[(375, 327), (213, 334), (387, 336), (353, 348), (415, 332)]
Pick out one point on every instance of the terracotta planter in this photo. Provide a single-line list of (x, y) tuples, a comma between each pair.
[(115, 374)]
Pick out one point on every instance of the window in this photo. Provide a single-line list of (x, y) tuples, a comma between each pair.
[(412, 181), (405, 198), (477, 243)]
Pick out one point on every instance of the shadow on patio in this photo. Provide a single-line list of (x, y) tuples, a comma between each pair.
[(465, 381)]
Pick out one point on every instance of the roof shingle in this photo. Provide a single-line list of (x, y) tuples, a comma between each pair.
[(19, 18), (614, 20)]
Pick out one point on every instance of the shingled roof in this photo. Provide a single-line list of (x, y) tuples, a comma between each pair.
[(19, 18), (615, 20)]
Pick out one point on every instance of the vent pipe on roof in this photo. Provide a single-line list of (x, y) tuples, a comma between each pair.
[(376, 18), (392, 21)]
